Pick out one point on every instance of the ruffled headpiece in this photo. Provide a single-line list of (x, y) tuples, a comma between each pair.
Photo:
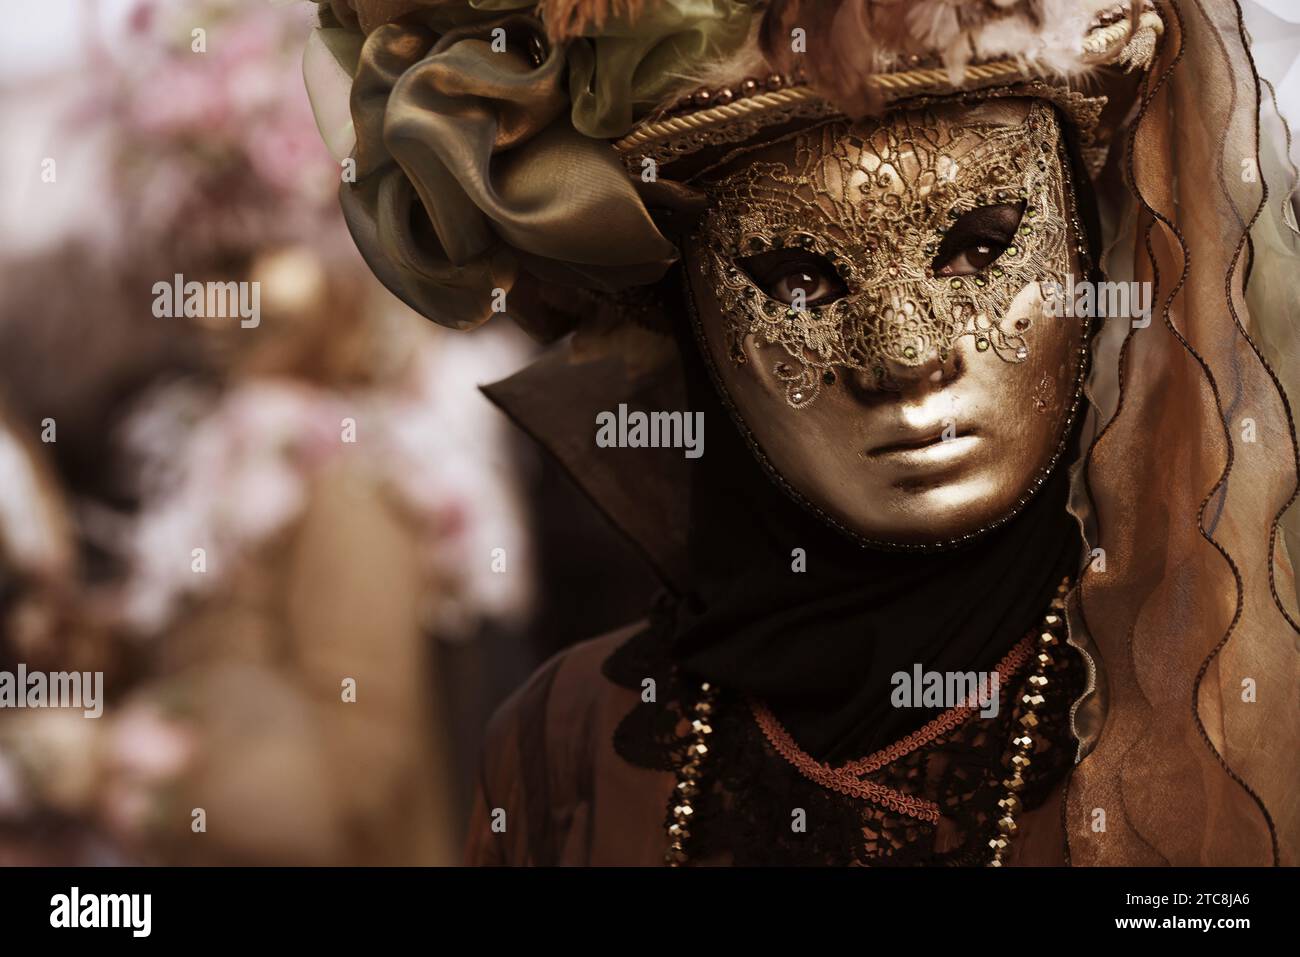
[(493, 139)]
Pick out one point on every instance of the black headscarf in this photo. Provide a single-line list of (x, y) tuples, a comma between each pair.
[(819, 646)]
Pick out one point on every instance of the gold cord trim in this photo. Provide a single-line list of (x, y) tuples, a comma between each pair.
[(1100, 42), (894, 83), (1134, 44)]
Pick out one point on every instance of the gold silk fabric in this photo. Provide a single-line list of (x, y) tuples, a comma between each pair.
[(467, 168)]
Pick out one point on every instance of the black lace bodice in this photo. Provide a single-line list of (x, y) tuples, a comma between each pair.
[(748, 808)]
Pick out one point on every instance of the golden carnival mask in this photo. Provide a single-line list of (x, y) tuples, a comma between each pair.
[(887, 205)]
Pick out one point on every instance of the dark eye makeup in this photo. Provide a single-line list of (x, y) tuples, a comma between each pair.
[(972, 243), (785, 273), (977, 238)]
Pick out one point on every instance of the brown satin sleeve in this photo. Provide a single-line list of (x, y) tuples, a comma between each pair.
[(562, 794), (511, 820), (481, 849)]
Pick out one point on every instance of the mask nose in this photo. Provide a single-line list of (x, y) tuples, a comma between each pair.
[(931, 373), (907, 346)]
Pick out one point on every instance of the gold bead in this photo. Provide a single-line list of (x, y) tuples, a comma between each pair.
[(1010, 804), (1029, 720), (700, 749), (701, 727), (1044, 660), (999, 844), (1048, 640), (1038, 682), (676, 854), (1020, 762), (678, 832), (1024, 742), (996, 861), (683, 812), (1034, 701), (1007, 825), (1014, 783), (1051, 620), (687, 789)]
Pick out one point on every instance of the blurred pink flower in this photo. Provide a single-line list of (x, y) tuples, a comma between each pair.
[(291, 157), (234, 118), (147, 746), (189, 101), (230, 472)]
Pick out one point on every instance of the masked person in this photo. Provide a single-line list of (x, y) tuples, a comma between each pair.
[(982, 312)]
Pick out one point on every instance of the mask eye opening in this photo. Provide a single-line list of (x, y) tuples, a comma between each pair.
[(977, 238), (783, 271)]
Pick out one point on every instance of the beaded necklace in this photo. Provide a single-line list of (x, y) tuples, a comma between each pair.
[(849, 779)]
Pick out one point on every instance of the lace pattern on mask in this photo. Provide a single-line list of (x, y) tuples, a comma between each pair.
[(876, 199)]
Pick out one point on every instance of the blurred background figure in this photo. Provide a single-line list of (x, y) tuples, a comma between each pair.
[(301, 549)]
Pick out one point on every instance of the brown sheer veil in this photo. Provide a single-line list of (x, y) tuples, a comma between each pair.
[(1189, 606)]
